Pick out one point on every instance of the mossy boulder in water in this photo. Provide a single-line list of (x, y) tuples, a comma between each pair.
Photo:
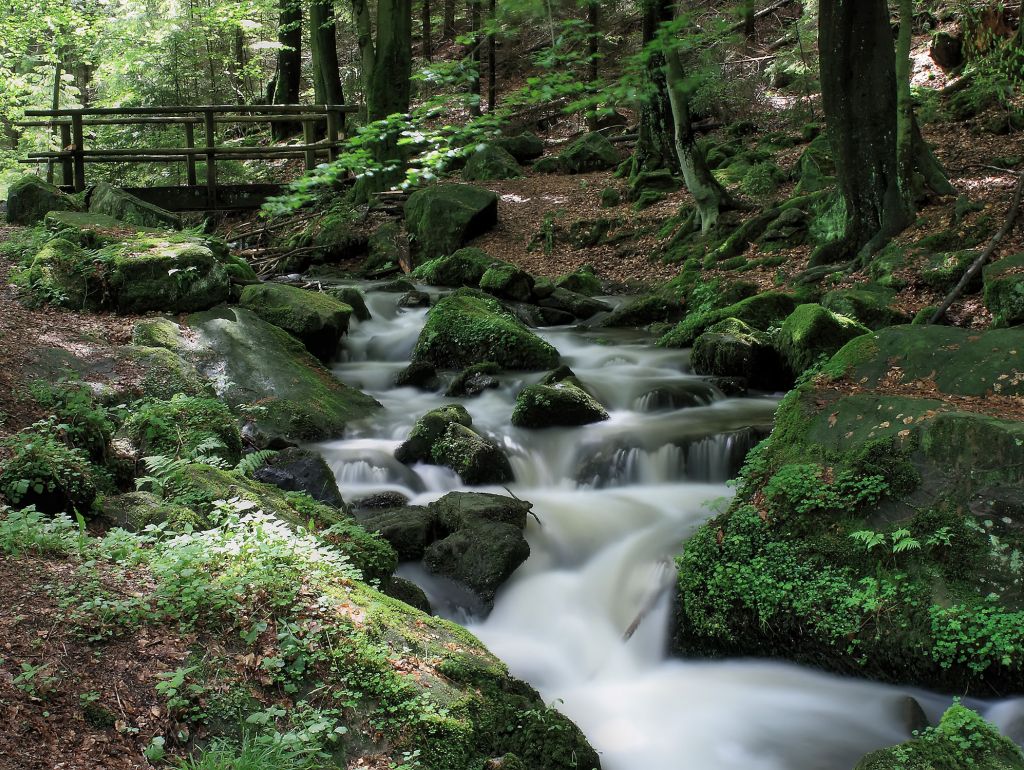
[(962, 739), (301, 470), (485, 544), (30, 198), (444, 436), (317, 320), (507, 282), (491, 161), (645, 310), (1004, 290), (732, 348), (121, 205), (578, 305), (184, 426), (812, 333), (468, 327), (261, 370), (591, 152), (557, 400), (168, 272), (442, 217), (465, 267), (896, 476), (762, 311), (474, 380)]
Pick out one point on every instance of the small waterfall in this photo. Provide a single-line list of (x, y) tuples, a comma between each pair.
[(585, 618)]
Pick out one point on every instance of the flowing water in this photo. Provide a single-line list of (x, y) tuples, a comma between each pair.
[(585, 619)]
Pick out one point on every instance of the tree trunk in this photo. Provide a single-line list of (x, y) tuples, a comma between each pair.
[(905, 109), (428, 31), (654, 147), (448, 21), (390, 84), (593, 18), (492, 58), (749, 20), (858, 84), (323, 31), (289, 64), (475, 57), (708, 194)]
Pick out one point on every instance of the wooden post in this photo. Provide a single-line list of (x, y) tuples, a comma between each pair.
[(308, 138), (78, 139), (67, 169), (211, 160), (333, 131), (190, 160)]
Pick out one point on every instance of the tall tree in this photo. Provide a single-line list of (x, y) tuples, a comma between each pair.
[(385, 50), (323, 34), (287, 78), (475, 56), (448, 21), (654, 147), (428, 31), (492, 56)]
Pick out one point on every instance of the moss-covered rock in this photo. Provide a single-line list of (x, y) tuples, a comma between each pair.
[(43, 471), (962, 739), (474, 380), (30, 198), (761, 311), (591, 152), (176, 273), (354, 298), (135, 511), (869, 304), (114, 202), (428, 429), (469, 327), (507, 282), (576, 304), (582, 281), (318, 320), (301, 470), (646, 310), (465, 267), (1004, 290), (485, 544), (408, 528), (442, 217), (263, 372), (658, 181), (419, 374), (812, 333), (941, 272), (444, 436), (491, 161), (559, 399), (185, 427), (731, 348), (524, 147), (387, 245), (887, 482), (549, 164)]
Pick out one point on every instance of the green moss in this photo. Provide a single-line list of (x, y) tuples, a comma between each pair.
[(591, 152), (476, 459), (1004, 290), (560, 403), (812, 333), (868, 304), (463, 268), (137, 510), (508, 282), (30, 198), (428, 429), (317, 319), (114, 202), (467, 328), (583, 281), (491, 162), (185, 427), (164, 373), (442, 217), (761, 312)]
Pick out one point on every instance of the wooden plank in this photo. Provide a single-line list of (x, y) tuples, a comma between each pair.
[(259, 109), (193, 198), (289, 150), (78, 156)]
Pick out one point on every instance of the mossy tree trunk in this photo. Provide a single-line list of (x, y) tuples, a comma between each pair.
[(323, 30), (654, 146), (428, 30), (709, 196), (288, 76), (858, 85), (448, 20), (475, 57)]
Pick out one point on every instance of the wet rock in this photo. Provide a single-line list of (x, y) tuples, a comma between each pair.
[(301, 470), (419, 374), (414, 299), (354, 298), (409, 529), (731, 348), (474, 380), (428, 430), (553, 317), (397, 286), (507, 282), (476, 459), (408, 592), (579, 305), (380, 500), (558, 400), (317, 320), (463, 268)]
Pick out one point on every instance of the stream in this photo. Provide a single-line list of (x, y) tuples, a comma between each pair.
[(613, 503)]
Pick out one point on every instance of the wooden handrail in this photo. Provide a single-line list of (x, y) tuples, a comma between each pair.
[(266, 109)]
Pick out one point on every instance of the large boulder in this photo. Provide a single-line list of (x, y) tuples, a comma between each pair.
[(579, 305), (1004, 290), (645, 310), (485, 544), (301, 470), (444, 436), (442, 217), (762, 311), (591, 152), (812, 333), (318, 320), (582, 281), (962, 739), (409, 529), (263, 372), (870, 304), (558, 400), (491, 161), (524, 147), (732, 348), (507, 282), (874, 532), (172, 272), (114, 202), (30, 198), (464, 267), (468, 327)]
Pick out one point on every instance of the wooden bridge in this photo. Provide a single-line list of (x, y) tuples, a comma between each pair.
[(69, 125)]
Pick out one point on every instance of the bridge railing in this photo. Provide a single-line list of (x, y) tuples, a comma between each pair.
[(327, 121)]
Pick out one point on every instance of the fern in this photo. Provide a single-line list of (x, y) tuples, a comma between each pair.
[(251, 462), (160, 469)]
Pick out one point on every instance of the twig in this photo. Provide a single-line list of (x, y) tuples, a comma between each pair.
[(979, 263)]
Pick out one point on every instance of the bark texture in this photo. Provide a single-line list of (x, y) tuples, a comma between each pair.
[(289, 63), (654, 147)]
